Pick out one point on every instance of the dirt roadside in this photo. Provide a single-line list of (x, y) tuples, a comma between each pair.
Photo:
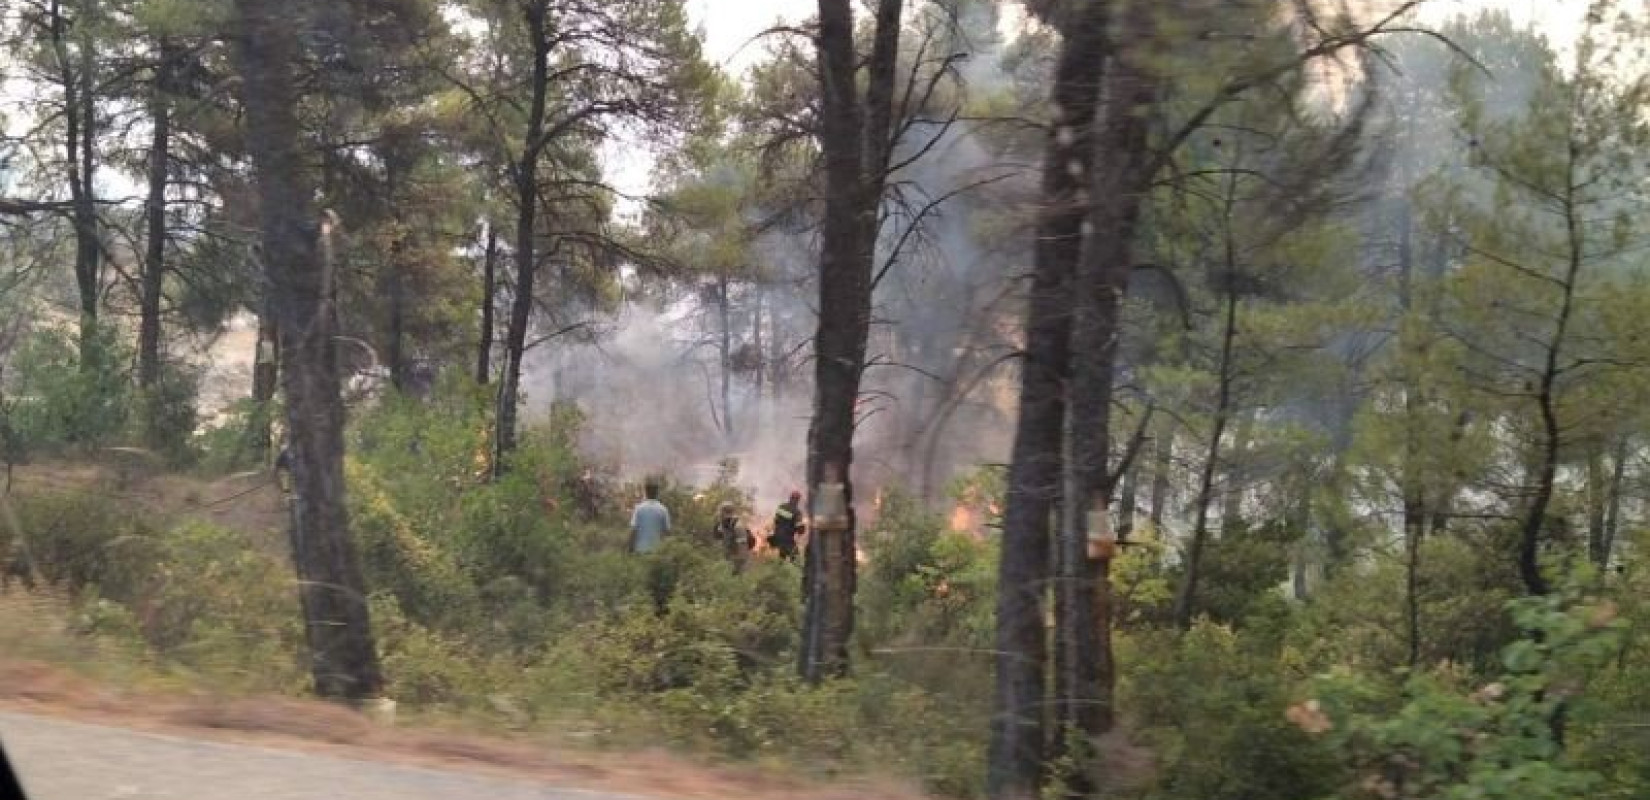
[(323, 729)]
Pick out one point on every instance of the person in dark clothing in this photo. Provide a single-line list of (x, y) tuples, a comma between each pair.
[(787, 526)]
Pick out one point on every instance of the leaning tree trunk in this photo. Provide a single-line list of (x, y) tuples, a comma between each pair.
[(855, 141), (1551, 442), (1019, 704), (154, 261), (298, 267), (1185, 605), (526, 255)]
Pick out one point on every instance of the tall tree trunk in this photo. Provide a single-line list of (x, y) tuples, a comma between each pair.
[(1084, 679), (1236, 480), (526, 255), (1128, 503), (489, 296), (1546, 397), (1019, 703), (759, 369), (154, 261), (724, 350), (855, 140), (299, 267), (74, 72), (1598, 491), (266, 361), (1185, 605), (1410, 479), (394, 281), (1612, 513), (1162, 477)]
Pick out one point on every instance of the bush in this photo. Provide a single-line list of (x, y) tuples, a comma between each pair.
[(1211, 705), (83, 541), (168, 414), (1445, 734), (59, 403)]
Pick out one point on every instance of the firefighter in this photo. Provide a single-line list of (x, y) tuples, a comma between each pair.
[(787, 526), (735, 539)]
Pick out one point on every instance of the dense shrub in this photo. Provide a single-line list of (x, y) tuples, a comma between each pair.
[(58, 403)]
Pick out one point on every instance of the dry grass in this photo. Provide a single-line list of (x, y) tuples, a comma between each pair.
[(248, 502), (46, 670)]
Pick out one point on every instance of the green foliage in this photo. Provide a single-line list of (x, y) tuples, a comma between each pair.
[(1209, 705), (195, 597), (59, 403), (168, 414), (1438, 736)]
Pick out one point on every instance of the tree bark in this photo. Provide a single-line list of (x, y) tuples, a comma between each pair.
[(1018, 725), (489, 296), (1084, 679), (724, 349), (526, 255), (154, 262), (1236, 479), (855, 139), (1546, 397), (79, 145), (1128, 503), (265, 380), (298, 265), (1410, 479), (394, 285), (1612, 513), (1598, 491), (1162, 477)]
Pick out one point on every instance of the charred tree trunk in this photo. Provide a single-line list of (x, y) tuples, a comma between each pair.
[(154, 261), (489, 296), (526, 178), (298, 266), (855, 139), (1018, 725)]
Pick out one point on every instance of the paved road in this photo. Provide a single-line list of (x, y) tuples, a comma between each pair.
[(58, 760)]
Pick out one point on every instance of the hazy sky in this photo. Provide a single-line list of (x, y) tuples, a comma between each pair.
[(730, 24)]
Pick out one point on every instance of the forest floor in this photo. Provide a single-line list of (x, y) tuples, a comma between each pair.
[(247, 502), (53, 693)]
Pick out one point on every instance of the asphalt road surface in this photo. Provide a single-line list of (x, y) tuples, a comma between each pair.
[(58, 760)]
